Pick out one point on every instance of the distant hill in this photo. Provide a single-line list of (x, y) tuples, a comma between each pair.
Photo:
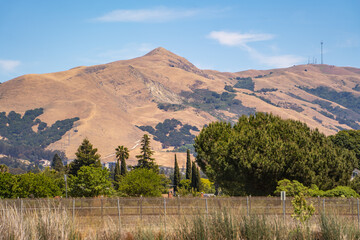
[(118, 102)]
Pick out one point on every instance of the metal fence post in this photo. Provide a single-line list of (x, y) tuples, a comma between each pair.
[(247, 206), (21, 210), (141, 217), (118, 207), (206, 206), (73, 211), (358, 213), (165, 215), (102, 210)]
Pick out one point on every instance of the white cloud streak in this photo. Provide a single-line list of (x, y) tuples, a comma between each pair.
[(238, 39), (8, 66), (159, 14), (241, 40)]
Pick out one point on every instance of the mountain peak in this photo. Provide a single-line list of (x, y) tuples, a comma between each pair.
[(160, 51)]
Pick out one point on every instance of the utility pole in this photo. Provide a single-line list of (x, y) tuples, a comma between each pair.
[(322, 62)]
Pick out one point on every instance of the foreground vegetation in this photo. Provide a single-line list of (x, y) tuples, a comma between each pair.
[(223, 224)]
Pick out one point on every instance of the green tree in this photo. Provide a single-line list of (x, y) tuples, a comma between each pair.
[(177, 179), (8, 184), (198, 180), (195, 178), (188, 165), (349, 139), (117, 174), (302, 210), (57, 163), (86, 155), (36, 185), (259, 150), (143, 182), (144, 159), (90, 182), (122, 154)]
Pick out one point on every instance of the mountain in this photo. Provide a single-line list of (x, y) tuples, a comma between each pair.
[(120, 101)]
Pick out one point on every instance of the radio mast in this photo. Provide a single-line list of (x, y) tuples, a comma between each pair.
[(322, 62)]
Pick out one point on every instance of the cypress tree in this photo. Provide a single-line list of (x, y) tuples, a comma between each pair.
[(193, 177), (188, 165), (57, 163), (176, 176), (144, 159), (86, 155), (198, 179), (117, 172)]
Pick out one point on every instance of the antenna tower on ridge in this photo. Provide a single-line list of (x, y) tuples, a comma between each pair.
[(322, 62)]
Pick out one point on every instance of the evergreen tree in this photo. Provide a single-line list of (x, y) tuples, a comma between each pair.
[(117, 171), (122, 154), (176, 181), (194, 177), (198, 180), (144, 159), (188, 165), (86, 155), (57, 163)]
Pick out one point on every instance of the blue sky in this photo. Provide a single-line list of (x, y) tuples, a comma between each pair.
[(48, 36)]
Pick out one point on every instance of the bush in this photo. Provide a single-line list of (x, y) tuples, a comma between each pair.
[(90, 182), (143, 182)]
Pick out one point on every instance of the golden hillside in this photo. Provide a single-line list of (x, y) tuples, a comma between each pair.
[(112, 99)]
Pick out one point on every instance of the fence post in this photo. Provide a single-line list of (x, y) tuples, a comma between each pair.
[(102, 210), (358, 213), (73, 211), (141, 200), (21, 211), (206, 207), (118, 207), (247, 206), (179, 207), (165, 215)]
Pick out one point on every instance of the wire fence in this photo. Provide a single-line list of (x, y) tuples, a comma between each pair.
[(161, 212)]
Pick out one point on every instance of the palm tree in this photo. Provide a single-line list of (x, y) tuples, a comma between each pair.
[(122, 153)]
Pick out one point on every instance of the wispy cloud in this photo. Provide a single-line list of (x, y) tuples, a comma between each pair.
[(159, 14), (242, 40), (8, 66), (238, 39)]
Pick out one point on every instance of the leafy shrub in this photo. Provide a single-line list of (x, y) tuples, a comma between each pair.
[(143, 182)]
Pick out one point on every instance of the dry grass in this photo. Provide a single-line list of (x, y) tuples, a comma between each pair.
[(51, 221)]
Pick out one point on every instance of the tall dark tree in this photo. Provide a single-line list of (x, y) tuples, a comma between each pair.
[(122, 154), (57, 163), (195, 178), (198, 179), (144, 159), (176, 181), (188, 165), (86, 155), (117, 171)]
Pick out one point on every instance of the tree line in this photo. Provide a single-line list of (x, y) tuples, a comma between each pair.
[(87, 178)]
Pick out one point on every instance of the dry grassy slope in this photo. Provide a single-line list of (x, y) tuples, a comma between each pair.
[(111, 99)]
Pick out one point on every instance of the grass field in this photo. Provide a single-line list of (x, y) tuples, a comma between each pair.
[(177, 218)]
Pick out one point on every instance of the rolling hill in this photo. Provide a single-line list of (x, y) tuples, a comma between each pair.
[(165, 95)]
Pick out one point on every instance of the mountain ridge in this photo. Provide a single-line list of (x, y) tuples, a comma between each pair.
[(112, 99)]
